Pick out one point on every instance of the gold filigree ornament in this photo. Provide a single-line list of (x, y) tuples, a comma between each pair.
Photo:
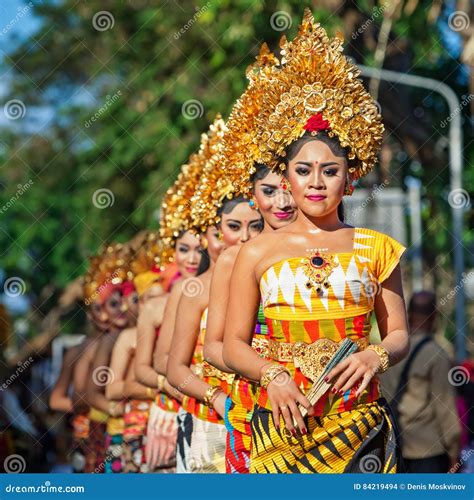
[(312, 359), (188, 197), (315, 77), (317, 269)]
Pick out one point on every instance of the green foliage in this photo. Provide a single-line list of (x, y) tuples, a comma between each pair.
[(118, 122)]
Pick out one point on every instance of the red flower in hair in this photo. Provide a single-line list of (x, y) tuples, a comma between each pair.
[(316, 123)]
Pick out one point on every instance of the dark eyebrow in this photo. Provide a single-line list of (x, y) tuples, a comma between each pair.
[(268, 185), (322, 165), (233, 220)]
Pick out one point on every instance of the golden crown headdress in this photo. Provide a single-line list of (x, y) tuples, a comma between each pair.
[(239, 151), (147, 255), (316, 78), (176, 208), (214, 184), (109, 267)]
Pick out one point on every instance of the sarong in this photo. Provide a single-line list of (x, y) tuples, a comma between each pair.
[(160, 449), (185, 429), (207, 451), (364, 439)]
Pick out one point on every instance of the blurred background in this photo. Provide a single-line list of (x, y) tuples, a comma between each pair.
[(103, 101)]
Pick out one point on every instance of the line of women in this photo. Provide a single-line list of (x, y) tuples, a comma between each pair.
[(236, 339)]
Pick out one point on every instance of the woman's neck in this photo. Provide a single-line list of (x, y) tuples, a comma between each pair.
[(327, 223)]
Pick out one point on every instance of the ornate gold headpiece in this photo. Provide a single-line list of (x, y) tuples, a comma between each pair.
[(239, 151), (316, 78), (175, 214), (107, 269), (214, 184)]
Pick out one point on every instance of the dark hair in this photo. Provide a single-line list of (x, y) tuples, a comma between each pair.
[(332, 142), (205, 261), (261, 171), (230, 203)]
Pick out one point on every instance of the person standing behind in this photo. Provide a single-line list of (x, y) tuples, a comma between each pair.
[(423, 396)]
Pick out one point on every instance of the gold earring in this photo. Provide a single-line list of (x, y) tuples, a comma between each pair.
[(204, 243), (253, 203), (348, 189), (219, 236)]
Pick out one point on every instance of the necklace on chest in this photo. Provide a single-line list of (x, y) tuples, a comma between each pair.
[(317, 268)]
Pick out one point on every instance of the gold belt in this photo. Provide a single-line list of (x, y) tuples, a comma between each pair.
[(311, 359), (204, 369), (260, 346)]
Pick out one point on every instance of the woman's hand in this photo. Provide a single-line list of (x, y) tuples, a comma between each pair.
[(284, 394), (358, 367), (219, 404)]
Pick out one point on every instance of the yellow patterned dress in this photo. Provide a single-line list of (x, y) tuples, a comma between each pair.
[(346, 434)]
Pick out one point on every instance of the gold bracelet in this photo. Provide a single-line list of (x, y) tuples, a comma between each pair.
[(383, 355), (150, 392), (160, 382), (211, 395), (112, 408), (271, 373)]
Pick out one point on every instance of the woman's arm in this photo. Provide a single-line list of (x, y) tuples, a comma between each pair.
[(150, 317), (163, 346), (392, 320), (100, 371), (59, 399), (81, 373), (242, 310), (187, 327), (283, 393), (218, 301), (134, 389), (119, 365)]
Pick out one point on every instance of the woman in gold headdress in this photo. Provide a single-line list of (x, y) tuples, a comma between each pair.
[(269, 194), (217, 209), (320, 280), (180, 249)]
